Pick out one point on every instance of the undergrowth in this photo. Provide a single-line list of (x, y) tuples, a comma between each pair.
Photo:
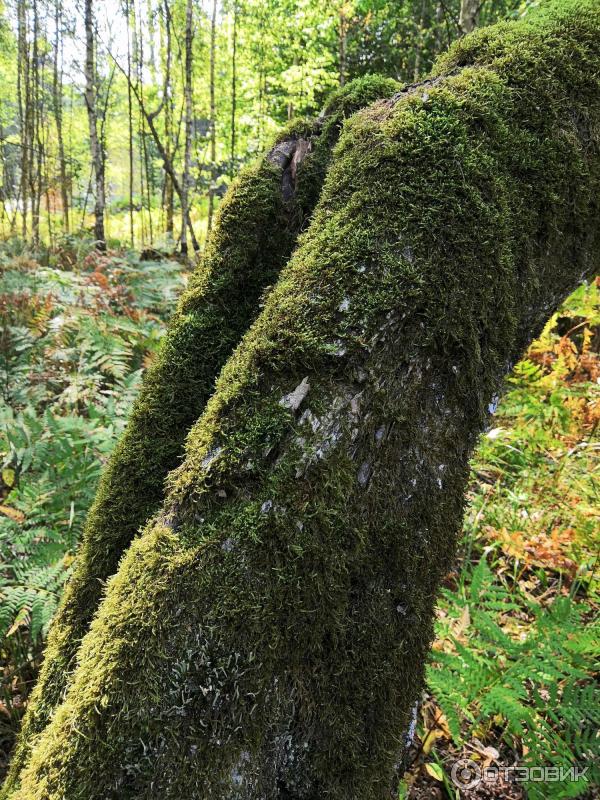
[(77, 330), (512, 679)]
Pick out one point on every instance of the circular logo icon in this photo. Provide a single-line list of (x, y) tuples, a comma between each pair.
[(465, 774)]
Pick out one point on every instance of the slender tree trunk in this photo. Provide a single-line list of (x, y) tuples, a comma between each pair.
[(24, 104), (35, 163), (96, 144), (343, 35), (469, 12), (188, 101), (168, 92), (144, 140), (4, 197), (57, 95), (46, 157), (143, 176), (145, 188), (151, 25), (213, 116), (149, 181), (130, 124), (70, 145), (439, 15), (419, 42), (4, 184), (233, 89), (138, 59)]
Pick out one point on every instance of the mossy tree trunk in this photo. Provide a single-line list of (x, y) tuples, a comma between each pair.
[(256, 230), (265, 636)]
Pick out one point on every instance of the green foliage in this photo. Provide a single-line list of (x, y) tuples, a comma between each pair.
[(536, 682), (539, 464), (404, 39), (289, 55), (517, 635), (72, 349)]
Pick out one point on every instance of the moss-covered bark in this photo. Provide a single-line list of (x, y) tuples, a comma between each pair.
[(265, 636), (256, 230)]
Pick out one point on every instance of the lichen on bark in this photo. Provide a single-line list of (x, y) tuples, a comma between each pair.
[(265, 636)]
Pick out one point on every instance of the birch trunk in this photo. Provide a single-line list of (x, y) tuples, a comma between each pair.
[(57, 94), (469, 11), (96, 145), (23, 91), (213, 116), (185, 182)]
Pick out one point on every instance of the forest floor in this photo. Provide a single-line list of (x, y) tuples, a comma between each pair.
[(511, 679)]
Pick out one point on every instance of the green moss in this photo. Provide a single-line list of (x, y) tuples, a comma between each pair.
[(265, 636), (256, 230)]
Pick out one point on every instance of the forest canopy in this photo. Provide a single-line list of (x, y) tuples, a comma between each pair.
[(140, 101)]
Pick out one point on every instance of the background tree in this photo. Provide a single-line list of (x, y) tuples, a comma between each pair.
[(57, 96), (189, 121), (96, 141), (23, 88), (213, 115), (253, 65)]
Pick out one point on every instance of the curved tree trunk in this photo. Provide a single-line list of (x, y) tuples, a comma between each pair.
[(265, 637), (257, 227)]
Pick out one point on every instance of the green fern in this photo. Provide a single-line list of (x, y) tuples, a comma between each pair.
[(71, 358), (541, 686)]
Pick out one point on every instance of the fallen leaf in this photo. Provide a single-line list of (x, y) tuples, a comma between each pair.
[(12, 513), (8, 476), (435, 771)]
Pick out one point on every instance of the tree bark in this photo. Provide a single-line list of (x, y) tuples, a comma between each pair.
[(168, 95), (24, 104), (257, 229), (149, 184), (213, 116), (33, 111), (264, 638), (96, 145), (58, 99), (233, 89), (469, 11), (130, 124)]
